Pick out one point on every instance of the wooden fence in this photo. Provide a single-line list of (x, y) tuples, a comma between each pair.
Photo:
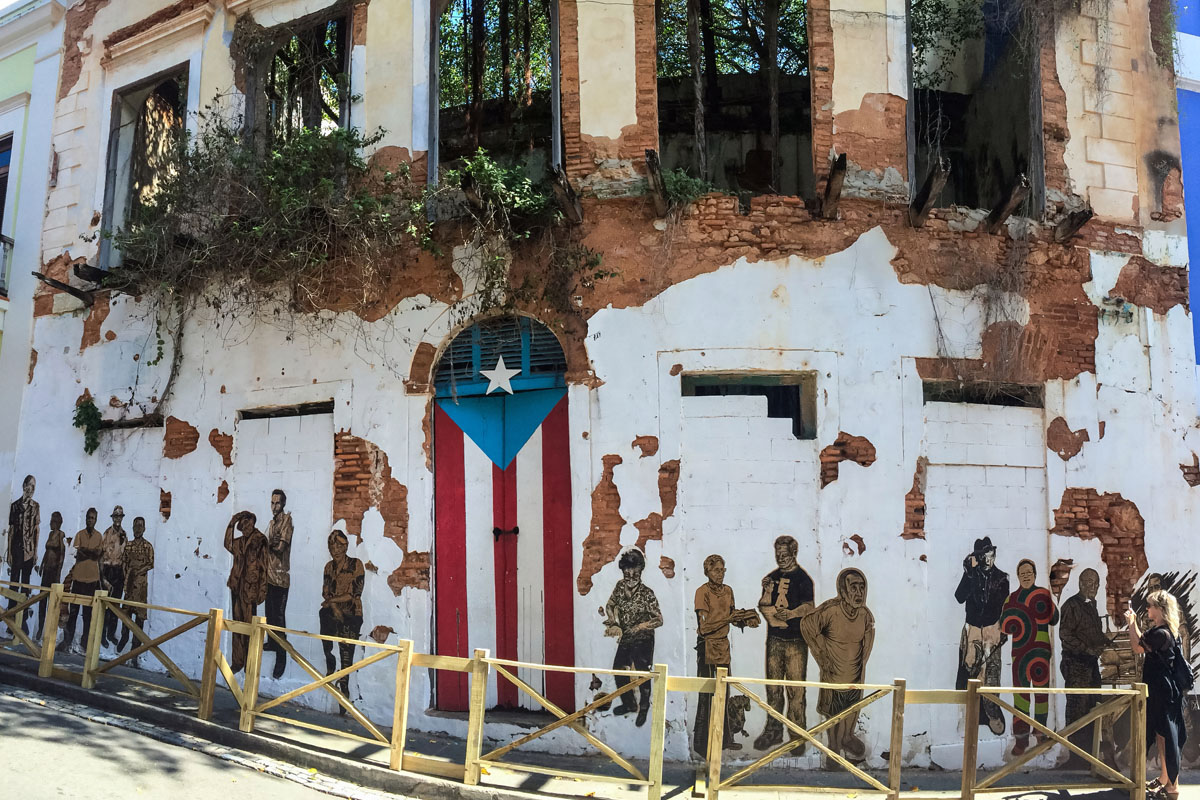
[(711, 781)]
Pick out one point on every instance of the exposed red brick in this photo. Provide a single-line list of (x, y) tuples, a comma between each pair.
[(223, 444), (667, 566), (874, 136), (95, 318), (647, 444), (362, 479), (358, 25), (914, 504), (59, 268), (859, 543), (603, 542), (420, 372), (1064, 441), (380, 633), (78, 20), (1170, 197), (32, 363), (676, 369), (668, 485), (1060, 573), (412, 573), (115, 402), (153, 20), (649, 529), (1054, 113), (371, 568), (1102, 427), (222, 491), (1191, 472), (1144, 283), (845, 447), (164, 504), (179, 438), (1117, 523)]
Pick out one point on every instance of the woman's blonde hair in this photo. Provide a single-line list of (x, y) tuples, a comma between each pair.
[(1170, 608)]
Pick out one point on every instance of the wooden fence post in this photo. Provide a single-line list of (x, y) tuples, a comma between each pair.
[(1137, 744), (91, 659), (716, 733), (658, 730), (971, 741), (208, 673), (253, 668), (400, 704), (896, 746), (50, 631), (479, 678)]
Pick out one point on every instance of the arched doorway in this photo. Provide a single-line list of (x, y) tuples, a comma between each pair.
[(502, 508)]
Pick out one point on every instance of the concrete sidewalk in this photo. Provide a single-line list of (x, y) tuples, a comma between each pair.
[(366, 765)]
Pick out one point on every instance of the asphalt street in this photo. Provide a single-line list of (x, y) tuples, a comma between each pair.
[(47, 753)]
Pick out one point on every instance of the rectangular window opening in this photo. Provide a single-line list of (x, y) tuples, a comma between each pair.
[(146, 130), (496, 84), (984, 393), (721, 72), (305, 82), (789, 395), (976, 101), (6, 144), (298, 410)]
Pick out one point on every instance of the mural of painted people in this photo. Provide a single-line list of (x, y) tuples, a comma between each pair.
[(341, 606), (715, 613), (50, 570), (247, 577), (112, 571), (1028, 614), (983, 589), (84, 577), (631, 615), (840, 634), (787, 598), (279, 560), (24, 524), (137, 560), (1083, 640)]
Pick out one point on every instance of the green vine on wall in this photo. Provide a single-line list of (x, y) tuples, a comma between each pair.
[(87, 416)]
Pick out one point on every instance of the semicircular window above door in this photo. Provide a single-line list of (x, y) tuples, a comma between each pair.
[(502, 508)]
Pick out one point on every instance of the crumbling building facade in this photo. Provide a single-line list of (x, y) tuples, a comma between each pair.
[(929, 300)]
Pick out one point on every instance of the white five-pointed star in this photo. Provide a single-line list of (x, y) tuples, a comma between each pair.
[(500, 377)]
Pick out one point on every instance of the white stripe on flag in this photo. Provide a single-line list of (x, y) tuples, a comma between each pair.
[(481, 560), (530, 573)]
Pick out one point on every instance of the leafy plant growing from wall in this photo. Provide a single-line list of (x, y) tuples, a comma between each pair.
[(87, 417)]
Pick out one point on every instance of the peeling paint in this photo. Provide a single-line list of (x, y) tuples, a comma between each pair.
[(1064, 441), (603, 542)]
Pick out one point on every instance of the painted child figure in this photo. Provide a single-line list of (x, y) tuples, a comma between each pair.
[(50, 570), (715, 612), (632, 614)]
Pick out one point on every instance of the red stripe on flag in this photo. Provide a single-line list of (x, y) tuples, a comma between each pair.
[(556, 556), (450, 516), (504, 517)]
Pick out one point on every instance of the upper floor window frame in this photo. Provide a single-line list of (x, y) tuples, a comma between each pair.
[(115, 208)]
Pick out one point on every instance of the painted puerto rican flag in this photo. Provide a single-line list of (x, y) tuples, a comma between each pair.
[(502, 510)]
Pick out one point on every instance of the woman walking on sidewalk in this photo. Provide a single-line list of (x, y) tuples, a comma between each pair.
[(1164, 704)]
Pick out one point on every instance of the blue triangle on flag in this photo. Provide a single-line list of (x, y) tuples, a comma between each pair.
[(500, 424)]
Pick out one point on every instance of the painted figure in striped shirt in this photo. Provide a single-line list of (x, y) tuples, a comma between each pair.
[(1027, 616), (632, 614)]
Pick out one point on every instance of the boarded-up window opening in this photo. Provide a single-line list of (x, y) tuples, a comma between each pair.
[(307, 79), (984, 393), (298, 410), (976, 100), (147, 127), (495, 84), (734, 99), (789, 396)]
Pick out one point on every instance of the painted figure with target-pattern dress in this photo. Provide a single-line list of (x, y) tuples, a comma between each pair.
[(1026, 619)]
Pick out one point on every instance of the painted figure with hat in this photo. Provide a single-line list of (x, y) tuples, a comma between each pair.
[(983, 589)]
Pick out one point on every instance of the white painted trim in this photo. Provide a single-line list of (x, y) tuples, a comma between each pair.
[(12, 120), (22, 28), (1187, 62), (161, 36), (16, 101)]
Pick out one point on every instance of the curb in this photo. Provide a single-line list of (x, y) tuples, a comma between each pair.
[(172, 723)]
